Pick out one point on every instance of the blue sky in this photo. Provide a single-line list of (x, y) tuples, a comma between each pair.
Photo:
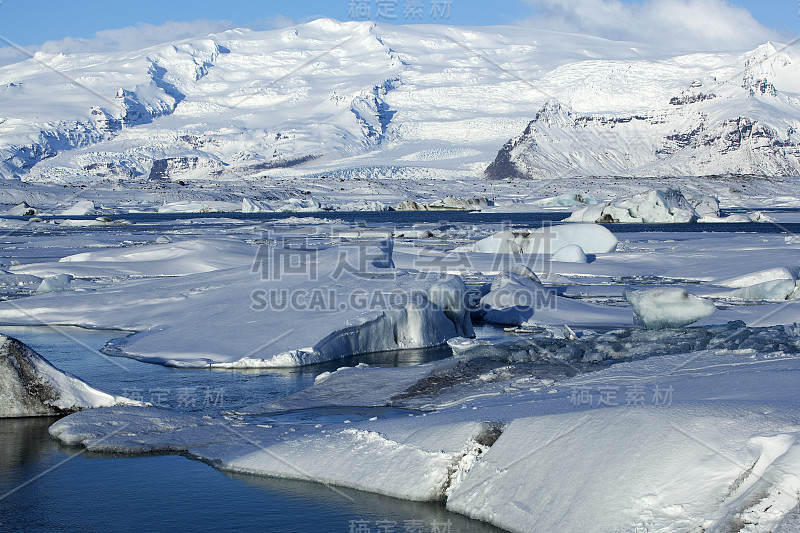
[(30, 22)]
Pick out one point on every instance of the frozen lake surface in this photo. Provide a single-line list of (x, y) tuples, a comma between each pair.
[(516, 379)]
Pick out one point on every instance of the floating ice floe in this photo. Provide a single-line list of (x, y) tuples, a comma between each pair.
[(448, 202), (777, 283), (592, 238), (461, 345), (533, 475), (362, 205), (31, 386), (525, 451), (776, 289), (10, 278), (99, 221), (653, 207), (403, 458), (300, 205), (164, 258), (417, 231), (658, 206), (667, 307), (567, 200), (631, 343), (524, 271)]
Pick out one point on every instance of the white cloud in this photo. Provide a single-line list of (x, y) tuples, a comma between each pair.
[(130, 38), (685, 24), (275, 22)]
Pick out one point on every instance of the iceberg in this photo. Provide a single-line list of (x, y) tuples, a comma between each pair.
[(566, 200), (300, 205), (754, 278), (82, 208), (776, 289), (657, 206), (207, 206), (524, 271), (448, 202), (364, 205), (404, 458), (31, 386), (163, 258), (21, 210), (704, 205), (525, 451), (255, 206), (571, 253), (592, 238), (59, 282), (660, 206), (667, 307), (496, 440), (533, 475)]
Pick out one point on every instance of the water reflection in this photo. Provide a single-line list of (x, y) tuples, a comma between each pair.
[(72, 349), (23, 441), (357, 506), (48, 487)]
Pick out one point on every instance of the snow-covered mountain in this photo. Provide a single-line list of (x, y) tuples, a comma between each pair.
[(738, 125), (359, 99)]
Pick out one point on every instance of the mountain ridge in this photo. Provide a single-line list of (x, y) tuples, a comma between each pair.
[(335, 97)]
